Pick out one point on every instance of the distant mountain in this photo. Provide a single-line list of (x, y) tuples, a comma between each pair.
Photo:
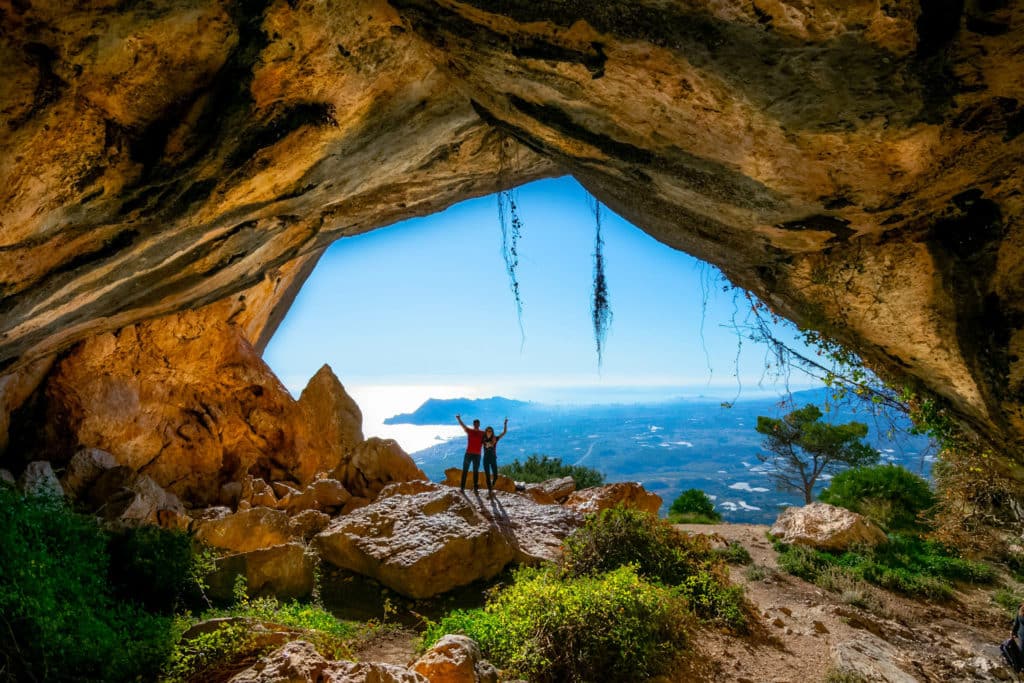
[(668, 446), (438, 411)]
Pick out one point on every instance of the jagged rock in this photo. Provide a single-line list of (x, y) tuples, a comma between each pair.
[(38, 479), (284, 571), (430, 542), (7, 478), (827, 527), (537, 495), (323, 494), (308, 523), (559, 488), (85, 468), (260, 634), (283, 490), (333, 417), (374, 464), (369, 672), (407, 488), (599, 498), (231, 494), (870, 658), (354, 503), (455, 659), (257, 493), (453, 477), (246, 530), (122, 496), (419, 545), (296, 662)]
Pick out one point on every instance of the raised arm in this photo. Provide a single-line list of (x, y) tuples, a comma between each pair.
[(461, 423), (505, 430)]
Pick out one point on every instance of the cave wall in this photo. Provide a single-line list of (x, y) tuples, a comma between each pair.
[(855, 164)]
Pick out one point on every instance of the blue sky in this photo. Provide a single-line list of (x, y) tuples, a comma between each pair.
[(426, 303)]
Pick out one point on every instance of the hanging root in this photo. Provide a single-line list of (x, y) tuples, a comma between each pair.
[(600, 309), (511, 229)]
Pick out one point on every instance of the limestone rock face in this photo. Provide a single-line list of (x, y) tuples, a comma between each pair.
[(419, 545), (869, 658), (453, 477), (123, 496), (284, 571), (455, 659), (599, 498), (332, 418), (85, 468), (857, 165), (826, 527), (38, 479), (374, 464), (296, 662), (246, 530)]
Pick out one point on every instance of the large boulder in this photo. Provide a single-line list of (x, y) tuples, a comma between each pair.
[(419, 545), (559, 488), (85, 468), (871, 660), (374, 464), (322, 495), (332, 419), (245, 530), (453, 477), (826, 527), (284, 571), (455, 659), (122, 496), (299, 662), (38, 479), (628, 494)]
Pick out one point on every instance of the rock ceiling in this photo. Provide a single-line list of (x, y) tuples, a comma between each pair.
[(854, 163)]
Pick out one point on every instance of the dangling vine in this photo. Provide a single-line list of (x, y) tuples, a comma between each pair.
[(511, 230), (600, 309)]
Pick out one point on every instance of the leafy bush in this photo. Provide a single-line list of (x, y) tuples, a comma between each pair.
[(537, 469), (734, 553), (907, 565), (612, 627), (693, 507), (620, 536), (61, 619), (624, 536), (890, 495), (154, 567), (1008, 600)]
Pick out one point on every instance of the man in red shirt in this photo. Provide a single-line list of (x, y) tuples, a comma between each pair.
[(474, 442)]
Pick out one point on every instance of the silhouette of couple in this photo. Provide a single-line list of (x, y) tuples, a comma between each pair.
[(488, 441)]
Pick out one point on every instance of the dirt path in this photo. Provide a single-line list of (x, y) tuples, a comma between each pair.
[(800, 631)]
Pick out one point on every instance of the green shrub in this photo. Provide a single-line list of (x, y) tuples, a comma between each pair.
[(693, 503), (537, 469), (153, 566), (612, 627), (61, 619), (1008, 600), (620, 536), (906, 564), (734, 553), (890, 495), (713, 599)]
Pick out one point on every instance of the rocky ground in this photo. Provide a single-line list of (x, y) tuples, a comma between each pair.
[(802, 632)]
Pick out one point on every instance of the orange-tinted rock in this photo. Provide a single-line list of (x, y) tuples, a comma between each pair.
[(455, 659), (308, 523), (628, 494), (284, 571), (246, 530), (85, 468), (123, 496), (826, 527), (374, 464), (334, 421), (323, 494)]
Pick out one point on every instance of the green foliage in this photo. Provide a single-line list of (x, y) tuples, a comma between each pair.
[(624, 536), (611, 627), (1009, 600), (693, 502), (153, 566), (907, 565), (801, 448), (61, 620), (733, 553), (541, 468), (843, 676), (890, 495)]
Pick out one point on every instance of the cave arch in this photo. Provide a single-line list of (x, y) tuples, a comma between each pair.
[(856, 166)]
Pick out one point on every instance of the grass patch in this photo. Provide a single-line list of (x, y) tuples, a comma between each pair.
[(907, 565), (692, 518), (1009, 600), (734, 553)]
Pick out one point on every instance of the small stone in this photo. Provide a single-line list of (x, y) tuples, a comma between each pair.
[(787, 611), (38, 479), (778, 623), (819, 627)]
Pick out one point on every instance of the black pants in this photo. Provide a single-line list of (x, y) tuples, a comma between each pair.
[(475, 459), (491, 469)]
